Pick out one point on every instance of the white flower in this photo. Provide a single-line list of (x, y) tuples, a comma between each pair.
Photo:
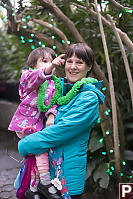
[(57, 183)]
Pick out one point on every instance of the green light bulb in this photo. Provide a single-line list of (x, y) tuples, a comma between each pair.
[(107, 132), (103, 89), (111, 150), (120, 14), (98, 121), (104, 153), (32, 47), (23, 19), (112, 168), (24, 27), (101, 140), (22, 37), (30, 40), (23, 41), (106, 113), (54, 47), (124, 163)]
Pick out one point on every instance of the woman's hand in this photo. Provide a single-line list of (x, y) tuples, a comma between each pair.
[(50, 120)]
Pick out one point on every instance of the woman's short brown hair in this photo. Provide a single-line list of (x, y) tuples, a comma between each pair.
[(37, 53), (82, 51)]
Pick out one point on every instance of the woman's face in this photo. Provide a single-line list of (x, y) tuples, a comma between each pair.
[(75, 69)]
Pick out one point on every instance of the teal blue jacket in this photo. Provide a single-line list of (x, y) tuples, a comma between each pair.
[(69, 135)]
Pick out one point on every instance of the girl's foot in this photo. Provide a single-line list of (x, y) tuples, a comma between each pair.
[(48, 191), (32, 195)]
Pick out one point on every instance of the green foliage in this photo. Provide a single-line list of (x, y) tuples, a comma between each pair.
[(13, 57), (97, 163)]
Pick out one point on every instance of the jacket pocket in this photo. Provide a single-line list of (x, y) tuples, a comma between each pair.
[(28, 111)]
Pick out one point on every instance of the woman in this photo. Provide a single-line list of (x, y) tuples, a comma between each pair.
[(77, 114)]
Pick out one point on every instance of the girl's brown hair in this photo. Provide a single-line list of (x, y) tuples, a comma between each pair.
[(37, 53)]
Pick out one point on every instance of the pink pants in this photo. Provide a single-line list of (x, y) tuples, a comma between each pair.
[(42, 161)]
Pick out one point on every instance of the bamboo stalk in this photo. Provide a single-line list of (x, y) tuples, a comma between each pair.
[(127, 68), (112, 93)]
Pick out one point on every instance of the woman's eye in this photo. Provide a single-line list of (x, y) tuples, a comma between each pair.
[(79, 62)]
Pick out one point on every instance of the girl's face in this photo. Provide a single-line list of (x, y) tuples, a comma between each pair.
[(42, 62), (75, 69)]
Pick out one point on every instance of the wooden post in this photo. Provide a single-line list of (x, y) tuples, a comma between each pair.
[(112, 93)]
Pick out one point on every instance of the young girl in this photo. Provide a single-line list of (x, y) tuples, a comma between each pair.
[(28, 119)]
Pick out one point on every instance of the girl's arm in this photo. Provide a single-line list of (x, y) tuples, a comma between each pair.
[(82, 115), (31, 80)]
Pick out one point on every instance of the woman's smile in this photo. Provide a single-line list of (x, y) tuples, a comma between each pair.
[(75, 69)]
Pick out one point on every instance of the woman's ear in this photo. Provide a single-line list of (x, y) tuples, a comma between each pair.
[(89, 68)]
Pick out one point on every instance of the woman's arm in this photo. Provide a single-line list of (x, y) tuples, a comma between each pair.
[(83, 114)]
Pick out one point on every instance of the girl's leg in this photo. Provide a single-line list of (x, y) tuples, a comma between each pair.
[(42, 163)]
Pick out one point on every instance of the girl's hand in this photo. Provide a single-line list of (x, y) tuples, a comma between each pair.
[(58, 61), (50, 120)]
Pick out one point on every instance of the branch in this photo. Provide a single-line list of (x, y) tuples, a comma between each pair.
[(11, 19), (119, 6), (123, 35), (87, 3), (29, 8), (41, 37), (66, 21), (53, 28), (129, 76)]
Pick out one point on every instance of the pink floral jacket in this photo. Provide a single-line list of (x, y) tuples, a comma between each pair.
[(27, 113)]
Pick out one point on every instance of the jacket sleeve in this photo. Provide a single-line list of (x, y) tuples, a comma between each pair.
[(31, 80), (82, 115)]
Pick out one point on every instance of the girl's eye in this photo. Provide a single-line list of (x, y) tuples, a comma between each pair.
[(45, 61), (69, 61)]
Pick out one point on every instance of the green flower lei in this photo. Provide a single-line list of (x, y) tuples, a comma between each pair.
[(58, 98), (42, 91), (75, 89)]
